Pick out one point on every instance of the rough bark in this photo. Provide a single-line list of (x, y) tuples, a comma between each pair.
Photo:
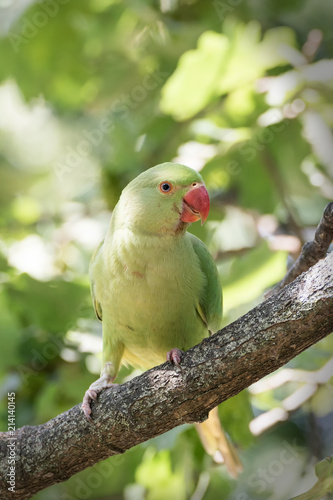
[(312, 251), (216, 369), (166, 396)]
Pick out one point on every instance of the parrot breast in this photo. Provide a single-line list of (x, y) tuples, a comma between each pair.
[(151, 295)]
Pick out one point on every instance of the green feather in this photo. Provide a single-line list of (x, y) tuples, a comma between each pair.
[(155, 285), (210, 302)]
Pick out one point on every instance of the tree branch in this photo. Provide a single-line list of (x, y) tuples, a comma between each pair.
[(216, 369), (312, 251)]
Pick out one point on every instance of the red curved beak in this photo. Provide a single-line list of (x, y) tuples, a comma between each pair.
[(195, 205)]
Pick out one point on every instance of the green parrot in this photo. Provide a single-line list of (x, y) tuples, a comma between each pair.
[(155, 287)]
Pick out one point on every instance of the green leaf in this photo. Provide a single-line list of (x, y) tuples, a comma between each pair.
[(9, 326), (324, 485), (236, 414), (156, 474), (250, 275), (52, 305), (251, 57), (193, 84), (221, 64)]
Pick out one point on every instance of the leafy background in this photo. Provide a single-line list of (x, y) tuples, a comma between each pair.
[(93, 92)]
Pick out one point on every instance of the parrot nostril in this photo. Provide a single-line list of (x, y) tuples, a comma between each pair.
[(194, 184)]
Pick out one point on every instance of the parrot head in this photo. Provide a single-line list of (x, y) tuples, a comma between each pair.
[(164, 200)]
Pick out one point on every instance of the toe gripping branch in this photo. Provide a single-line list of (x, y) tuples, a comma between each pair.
[(175, 356)]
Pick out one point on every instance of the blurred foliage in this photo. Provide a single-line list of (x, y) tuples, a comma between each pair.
[(91, 94), (324, 472)]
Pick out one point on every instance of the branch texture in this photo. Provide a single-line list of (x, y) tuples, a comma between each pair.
[(216, 369), (312, 251)]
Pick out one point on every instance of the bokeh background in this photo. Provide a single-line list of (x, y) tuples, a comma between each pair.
[(92, 93)]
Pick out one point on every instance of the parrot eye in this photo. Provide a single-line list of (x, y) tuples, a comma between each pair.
[(165, 187)]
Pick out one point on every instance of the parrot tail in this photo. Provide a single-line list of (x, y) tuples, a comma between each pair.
[(217, 444)]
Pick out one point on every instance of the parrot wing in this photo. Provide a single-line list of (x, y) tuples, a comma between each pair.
[(209, 307), (94, 258)]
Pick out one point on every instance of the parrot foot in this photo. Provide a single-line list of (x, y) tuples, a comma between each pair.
[(96, 387), (175, 356)]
